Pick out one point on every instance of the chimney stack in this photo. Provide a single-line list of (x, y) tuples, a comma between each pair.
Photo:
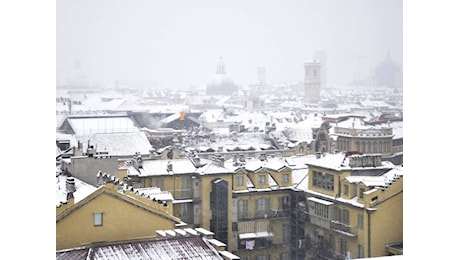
[(70, 185), (169, 167)]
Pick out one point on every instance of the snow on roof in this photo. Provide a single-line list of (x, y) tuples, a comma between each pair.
[(155, 192), (375, 104), (253, 165), (302, 131), (324, 202), (300, 179), (380, 181), (272, 183), (276, 163), (83, 189), (340, 161), (117, 144), (190, 247), (170, 118), (329, 161), (102, 124), (179, 166), (245, 141)]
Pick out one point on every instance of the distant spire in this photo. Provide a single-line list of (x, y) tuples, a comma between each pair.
[(220, 67), (388, 58)]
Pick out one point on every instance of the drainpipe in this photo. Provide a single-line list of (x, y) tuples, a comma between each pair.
[(369, 211), (368, 234)]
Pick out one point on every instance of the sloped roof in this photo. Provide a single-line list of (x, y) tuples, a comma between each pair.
[(191, 247), (83, 189), (179, 166), (117, 144), (81, 125), (130, 199)]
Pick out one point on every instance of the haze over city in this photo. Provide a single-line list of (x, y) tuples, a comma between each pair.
[(177, 44)]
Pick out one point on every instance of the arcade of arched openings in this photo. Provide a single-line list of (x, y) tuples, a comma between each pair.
[(365, 145)]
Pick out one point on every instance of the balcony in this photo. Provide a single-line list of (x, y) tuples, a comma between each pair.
[(272, 213), (343, 228), (182, 193)]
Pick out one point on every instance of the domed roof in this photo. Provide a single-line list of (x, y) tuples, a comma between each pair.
[(220, 83)]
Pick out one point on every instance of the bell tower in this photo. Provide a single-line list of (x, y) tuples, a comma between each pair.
[(312, 81)]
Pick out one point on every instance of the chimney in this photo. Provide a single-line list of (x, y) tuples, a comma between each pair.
[(90, 150), (70, 199), (219, 160), (169, 167), (197, 161), (139, 161), (70, 185), (318, 155)]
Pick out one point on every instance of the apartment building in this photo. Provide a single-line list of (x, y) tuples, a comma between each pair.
[(355, 206)]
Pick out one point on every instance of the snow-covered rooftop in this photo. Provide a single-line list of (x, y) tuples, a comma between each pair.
[(83, 189), (117, 144), (178, 166), (96, 125), (184, 247)]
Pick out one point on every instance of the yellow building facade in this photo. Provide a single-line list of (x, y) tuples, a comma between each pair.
[(107, 215), (355, 206), (261, 206)]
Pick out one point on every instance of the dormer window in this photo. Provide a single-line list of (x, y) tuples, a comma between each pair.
[(262, 179), (345, 189), (323, 180), (285, 178), (239, 180), (361, 193)]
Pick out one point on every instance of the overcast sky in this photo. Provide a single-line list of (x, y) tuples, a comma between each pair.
[(149, 43)]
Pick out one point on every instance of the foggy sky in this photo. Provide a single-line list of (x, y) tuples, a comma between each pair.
[(149, 43)]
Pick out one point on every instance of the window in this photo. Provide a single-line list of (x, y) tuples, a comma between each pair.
[(243, 209), (374, 199), (345, 216), (361, 193), (261, 179), (343, 246), (342, 216), (286, 233), (345, 189), (360, 221), (262, 257), (360, 251), (239, 180), (261, 207), (285, 178), (284, 256), (283, 203), (97, 217), (318, 209), (323, 180), (160, 184)]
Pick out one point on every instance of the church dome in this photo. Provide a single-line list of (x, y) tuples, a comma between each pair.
[(220, 83)]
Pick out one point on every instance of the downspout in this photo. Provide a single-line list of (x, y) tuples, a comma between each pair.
[(369, 211), (368, 233)]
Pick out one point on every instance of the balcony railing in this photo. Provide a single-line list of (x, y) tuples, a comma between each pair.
[(272, 213), (183, 193), (343, 228)]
